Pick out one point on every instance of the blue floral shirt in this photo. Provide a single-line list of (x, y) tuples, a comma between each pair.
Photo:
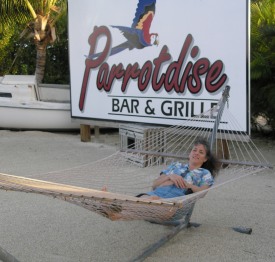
[(198, 177)]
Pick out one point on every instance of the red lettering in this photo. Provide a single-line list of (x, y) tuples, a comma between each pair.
[(102, 76), (106, 80), (145, 76), (214, 80), (173, 71), (132, 71), (194, 81), (192, 71), (158, 62), (94, 63)]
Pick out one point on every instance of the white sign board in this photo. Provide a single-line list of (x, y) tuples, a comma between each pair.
[(157, 61)]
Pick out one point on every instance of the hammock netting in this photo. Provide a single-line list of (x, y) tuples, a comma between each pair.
[(132, 169)]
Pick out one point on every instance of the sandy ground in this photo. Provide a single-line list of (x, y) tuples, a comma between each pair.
[(36, 228)]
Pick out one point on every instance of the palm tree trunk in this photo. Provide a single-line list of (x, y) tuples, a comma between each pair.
[(40, 60)]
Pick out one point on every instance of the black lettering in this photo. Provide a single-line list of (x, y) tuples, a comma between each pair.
[(115, 105)]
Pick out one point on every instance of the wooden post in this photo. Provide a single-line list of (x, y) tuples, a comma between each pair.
[(223, 151), (96, 128), (97, 133), (85, 133)]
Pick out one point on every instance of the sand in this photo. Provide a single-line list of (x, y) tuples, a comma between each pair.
[(36, 228)]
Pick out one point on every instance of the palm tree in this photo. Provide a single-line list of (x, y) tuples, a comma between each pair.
[(39, 17)]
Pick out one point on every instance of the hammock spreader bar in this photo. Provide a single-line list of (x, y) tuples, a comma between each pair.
[(185, 156)]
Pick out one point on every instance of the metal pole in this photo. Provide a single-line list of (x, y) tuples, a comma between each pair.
[(225, 96)]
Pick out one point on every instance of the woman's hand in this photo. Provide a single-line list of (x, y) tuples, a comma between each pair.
[(195, 188), (178, 181)]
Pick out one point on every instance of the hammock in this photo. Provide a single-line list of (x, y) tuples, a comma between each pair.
[(132, 169)]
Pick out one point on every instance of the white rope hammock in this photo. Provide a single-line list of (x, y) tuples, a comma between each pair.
[(131, 170)]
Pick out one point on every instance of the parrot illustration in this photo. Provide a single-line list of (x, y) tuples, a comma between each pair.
[(138, 35)]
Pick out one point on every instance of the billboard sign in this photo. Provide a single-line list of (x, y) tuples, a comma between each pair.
[(157, 61)]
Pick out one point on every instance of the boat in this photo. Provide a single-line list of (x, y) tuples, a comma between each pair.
[(24, 105)]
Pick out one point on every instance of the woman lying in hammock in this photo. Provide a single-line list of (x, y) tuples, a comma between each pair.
[(177, 180), (182, 179)]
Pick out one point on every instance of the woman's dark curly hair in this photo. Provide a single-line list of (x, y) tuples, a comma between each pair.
[(211, 164)]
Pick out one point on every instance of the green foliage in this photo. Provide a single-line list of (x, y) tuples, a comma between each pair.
[(39, 18), (57, 64), (19, 11), (263, 60), (18, 55), (5, 39)]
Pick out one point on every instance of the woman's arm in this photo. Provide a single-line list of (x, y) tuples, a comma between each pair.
[(207, 181), (160, 180), (165, 180), (195, 188)]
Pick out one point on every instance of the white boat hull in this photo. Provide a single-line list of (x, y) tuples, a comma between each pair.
[(25, 106), (36, 115)]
